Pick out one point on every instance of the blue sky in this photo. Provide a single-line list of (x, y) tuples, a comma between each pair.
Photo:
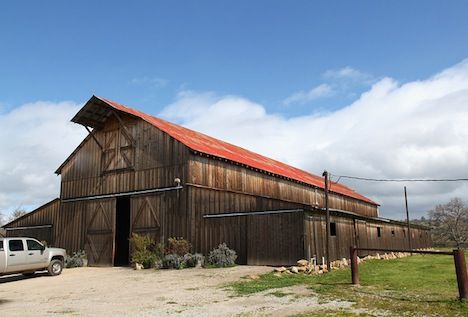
[(143, 53), (365, 88)]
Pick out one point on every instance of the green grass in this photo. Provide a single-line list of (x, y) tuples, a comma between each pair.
[(421, 285)]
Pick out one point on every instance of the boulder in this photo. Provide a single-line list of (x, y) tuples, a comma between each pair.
[(377, 257), (302, 268), (294, 269), (302, 263), (277, 274), (280, 269)]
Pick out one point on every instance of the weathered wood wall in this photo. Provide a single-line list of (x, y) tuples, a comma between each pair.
[(255, 238), (44, 215), (362, 233), (222, 175)]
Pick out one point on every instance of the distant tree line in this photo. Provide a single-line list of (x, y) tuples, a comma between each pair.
[(448, 223)]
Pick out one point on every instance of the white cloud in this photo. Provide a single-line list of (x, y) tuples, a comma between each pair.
[(320, 91), (34, 139), (412, 130), (346, 73)]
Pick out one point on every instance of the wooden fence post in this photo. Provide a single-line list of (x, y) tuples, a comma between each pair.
[(354, 265), (460, 270)]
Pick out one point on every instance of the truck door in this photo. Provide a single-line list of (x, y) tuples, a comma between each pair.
[(16, 255), (36, 257)]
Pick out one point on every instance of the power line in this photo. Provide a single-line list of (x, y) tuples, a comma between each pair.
[(401, 179)]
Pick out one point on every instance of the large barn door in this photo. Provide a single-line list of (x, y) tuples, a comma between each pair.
[(146, 216), (99, 237), (275, 239)]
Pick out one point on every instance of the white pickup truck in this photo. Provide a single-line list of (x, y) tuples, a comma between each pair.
[(27, 255)]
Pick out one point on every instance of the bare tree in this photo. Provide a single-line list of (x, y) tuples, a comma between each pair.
[(19, 212), (2, 218), (450, 223)]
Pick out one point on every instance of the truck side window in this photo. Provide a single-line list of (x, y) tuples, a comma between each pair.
[(16, 245), (33, 245), (1, 245)]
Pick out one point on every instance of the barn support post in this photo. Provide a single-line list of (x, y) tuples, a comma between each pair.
[(408, 221), (462, 276), (354, 265), (327, 240)]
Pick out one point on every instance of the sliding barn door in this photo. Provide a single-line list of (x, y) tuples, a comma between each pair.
[(100, 231), (146, 216), (275, 239)]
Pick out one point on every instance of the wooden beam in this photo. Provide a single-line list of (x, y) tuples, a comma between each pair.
[(94, 137)]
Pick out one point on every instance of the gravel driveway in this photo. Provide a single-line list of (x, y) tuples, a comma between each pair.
[(125, 292)]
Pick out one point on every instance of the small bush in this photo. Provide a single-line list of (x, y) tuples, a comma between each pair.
[(172, 261), (145, 251), (193, 260), (222, 256), (178, 246), (78, 259)]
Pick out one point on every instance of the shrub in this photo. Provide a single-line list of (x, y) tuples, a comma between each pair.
[(193, 260), (78, 259), (145, 251), (178, 246), (172, 261), (222, 256)]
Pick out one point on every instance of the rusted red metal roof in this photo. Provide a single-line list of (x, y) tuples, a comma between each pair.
[(205, 144)]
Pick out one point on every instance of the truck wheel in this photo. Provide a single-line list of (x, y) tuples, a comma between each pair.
[(55, 267)]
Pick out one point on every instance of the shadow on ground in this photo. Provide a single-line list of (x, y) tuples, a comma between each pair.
[(19, 277)]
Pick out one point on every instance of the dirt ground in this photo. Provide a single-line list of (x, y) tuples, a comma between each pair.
[(125, 292)]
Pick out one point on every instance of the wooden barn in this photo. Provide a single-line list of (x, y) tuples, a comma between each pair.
[(135, 173)]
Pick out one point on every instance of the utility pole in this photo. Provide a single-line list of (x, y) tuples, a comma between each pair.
[(327, 251), (408, 221)]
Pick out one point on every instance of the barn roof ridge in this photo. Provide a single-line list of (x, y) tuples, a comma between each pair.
[(203, 143)]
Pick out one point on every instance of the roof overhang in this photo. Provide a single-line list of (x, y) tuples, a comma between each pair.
[(94, 113)]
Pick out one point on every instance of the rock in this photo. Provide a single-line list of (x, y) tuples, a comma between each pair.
[(294, 269), (320, 272), (325, 270), (302, 268), (377, 257), (302, 262), (253, 277), (359, 260), (344, 262), (288, 272), (277, 274), (280, 269), (138, 266)]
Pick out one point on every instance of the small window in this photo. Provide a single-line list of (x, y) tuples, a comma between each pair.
[(16, 245), (33, 245), (379, 232), (1, 245), (393, 233), (333, 229)]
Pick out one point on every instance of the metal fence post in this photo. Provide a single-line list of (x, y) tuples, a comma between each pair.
[(354, 265), (462, 276)]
